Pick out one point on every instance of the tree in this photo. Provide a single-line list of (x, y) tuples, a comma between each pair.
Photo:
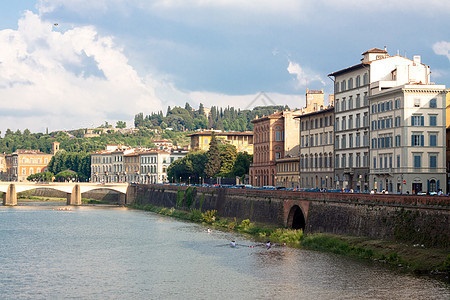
[(228, 155), (212, 167), (242, 164), (121, 124)]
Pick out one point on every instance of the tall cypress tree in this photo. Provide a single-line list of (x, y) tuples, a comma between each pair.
[(213, 165)]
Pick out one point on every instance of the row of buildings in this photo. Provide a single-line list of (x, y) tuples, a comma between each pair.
[(118, 163), (384, 130)]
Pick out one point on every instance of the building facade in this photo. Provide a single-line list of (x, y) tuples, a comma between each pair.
[(408, 139), (275, 137), (377, 72), (23, 163), (316, 149), (242, 140), (287, 173)]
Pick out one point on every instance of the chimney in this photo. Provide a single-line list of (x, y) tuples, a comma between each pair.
[(416, 59)]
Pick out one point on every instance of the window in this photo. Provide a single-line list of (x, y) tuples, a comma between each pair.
[(365, 99), (336, 161), (398, 161), (343, 85), (433, 103), (343, 141), (336, 143), (417, 140), (433, 140), (350, 140), (397, 141), (358, 81), (358, 101), (374, 162), (357, 140), (417, 160), (343, 161), (278, 136), (350, 122), (433, 120), (350, 102), (336, 105), (397, 103), (417, 121), (433, 161), (344, 125), (358, 121), (365, 120), (343, 104), (326, 139), (350, 83), (336, 87), (365, 79)]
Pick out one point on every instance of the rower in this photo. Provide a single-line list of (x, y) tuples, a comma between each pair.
[(268, 245), (233, 244)]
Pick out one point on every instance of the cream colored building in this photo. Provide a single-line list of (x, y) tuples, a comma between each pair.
[(317, 149), (287, 172), (377, 71), (408, 139)]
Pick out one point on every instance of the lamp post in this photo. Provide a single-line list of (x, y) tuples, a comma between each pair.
[(180, 180), (276, 181), (200, 180), (256, 180), (326, 181), (189, 182)]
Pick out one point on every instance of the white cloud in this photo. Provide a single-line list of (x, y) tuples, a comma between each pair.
[(66, 80), (303, 77), (442, 48)]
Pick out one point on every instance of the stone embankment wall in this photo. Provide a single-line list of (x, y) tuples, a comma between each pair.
[(414, 219)]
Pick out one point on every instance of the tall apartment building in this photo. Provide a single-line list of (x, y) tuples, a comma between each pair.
[(408, 138), (317, 149), (274, 137), (352, 88)]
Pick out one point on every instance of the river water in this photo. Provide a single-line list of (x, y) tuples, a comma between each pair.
[(119, 253)]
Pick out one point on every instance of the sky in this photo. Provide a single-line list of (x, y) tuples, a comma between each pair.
[(69, 64)]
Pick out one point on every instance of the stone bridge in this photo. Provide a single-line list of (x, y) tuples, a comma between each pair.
[(73, 190)]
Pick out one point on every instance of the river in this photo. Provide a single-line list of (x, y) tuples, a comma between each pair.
[(94, 252)]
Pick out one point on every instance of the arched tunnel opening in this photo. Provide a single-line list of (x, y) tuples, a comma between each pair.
[(296, 219)]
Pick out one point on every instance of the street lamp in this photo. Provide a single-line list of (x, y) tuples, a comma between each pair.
[(189, 182), (256, 180), (200, 180), (180, 180)]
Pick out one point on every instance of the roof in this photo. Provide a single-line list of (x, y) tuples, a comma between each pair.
[(375, 50), (209, 132), (316, 112), (352, 68)]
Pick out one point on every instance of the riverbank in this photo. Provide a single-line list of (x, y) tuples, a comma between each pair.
[(412, 258)]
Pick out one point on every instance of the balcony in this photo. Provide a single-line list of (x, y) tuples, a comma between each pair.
[(386, 171), (349, 171)]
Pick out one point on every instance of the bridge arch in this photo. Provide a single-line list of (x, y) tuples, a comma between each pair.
[(296, 218)]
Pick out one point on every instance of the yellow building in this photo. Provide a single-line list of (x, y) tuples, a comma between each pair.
[(23, 163), (242, 140)]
